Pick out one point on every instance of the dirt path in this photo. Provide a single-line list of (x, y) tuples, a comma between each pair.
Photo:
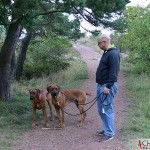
[(75, 138)]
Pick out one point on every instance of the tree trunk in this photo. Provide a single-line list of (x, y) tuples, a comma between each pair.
[(6, 55), (22, 56)]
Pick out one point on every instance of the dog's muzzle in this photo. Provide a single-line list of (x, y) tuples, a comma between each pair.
[(54, 94), (31, 98)]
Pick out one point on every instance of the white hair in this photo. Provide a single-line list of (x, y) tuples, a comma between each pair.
[(104, 36)]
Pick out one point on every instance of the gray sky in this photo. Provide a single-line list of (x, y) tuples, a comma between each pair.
[(88, 26)]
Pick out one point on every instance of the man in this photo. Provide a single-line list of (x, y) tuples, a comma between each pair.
[(106, 79)]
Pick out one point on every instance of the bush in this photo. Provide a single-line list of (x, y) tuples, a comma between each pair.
[(46, 56), (135, 40)]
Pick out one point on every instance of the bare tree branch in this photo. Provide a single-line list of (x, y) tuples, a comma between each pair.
[(83, 16), (89, 13), (50, 12)]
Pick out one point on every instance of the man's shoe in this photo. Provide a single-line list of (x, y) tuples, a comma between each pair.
[(100, 133), (105, 138)]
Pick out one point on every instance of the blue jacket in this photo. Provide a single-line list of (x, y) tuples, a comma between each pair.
[(108, 68)]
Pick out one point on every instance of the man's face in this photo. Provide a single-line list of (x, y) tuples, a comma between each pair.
[(103, 43)]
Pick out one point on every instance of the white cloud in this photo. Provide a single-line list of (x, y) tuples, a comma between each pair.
[(139, 3)]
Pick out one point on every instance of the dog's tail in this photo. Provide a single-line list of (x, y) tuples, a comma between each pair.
[(88, 93)]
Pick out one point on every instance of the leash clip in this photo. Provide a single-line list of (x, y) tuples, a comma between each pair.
[(58, 103), (103, 110)]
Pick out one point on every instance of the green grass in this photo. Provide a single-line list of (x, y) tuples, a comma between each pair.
[(139, 97), (138, 119), (16, 115), (137, 122)]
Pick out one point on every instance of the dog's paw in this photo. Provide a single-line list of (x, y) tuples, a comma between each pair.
[(33, 125), (58, 128), (47, 125), (63, 126), (79, 124)]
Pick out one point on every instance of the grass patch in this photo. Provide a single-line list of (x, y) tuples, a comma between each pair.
[(90, 42), (16, 115), (139, 96), (138, 93)]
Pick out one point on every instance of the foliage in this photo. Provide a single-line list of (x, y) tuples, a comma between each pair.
[(31, 14), (136, 38), (46, 56), (96, 12)]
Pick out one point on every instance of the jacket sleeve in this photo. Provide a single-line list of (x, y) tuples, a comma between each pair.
[(114, 66)]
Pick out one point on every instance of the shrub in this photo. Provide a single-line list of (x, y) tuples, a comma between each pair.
[(46, 56)]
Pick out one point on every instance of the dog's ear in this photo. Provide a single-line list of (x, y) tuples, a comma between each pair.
[(30, 90), (58, 87), (38, 92), (48, 89)]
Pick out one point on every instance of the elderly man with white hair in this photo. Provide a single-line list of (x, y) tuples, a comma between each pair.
[(106, 79)]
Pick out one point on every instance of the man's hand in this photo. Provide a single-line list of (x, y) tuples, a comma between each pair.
[(106, 90)]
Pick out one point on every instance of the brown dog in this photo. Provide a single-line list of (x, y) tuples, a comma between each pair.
[(61, 98), (38, 98)]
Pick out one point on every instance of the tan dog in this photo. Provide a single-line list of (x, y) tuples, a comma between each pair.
[(61, 98), (38, 98)]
